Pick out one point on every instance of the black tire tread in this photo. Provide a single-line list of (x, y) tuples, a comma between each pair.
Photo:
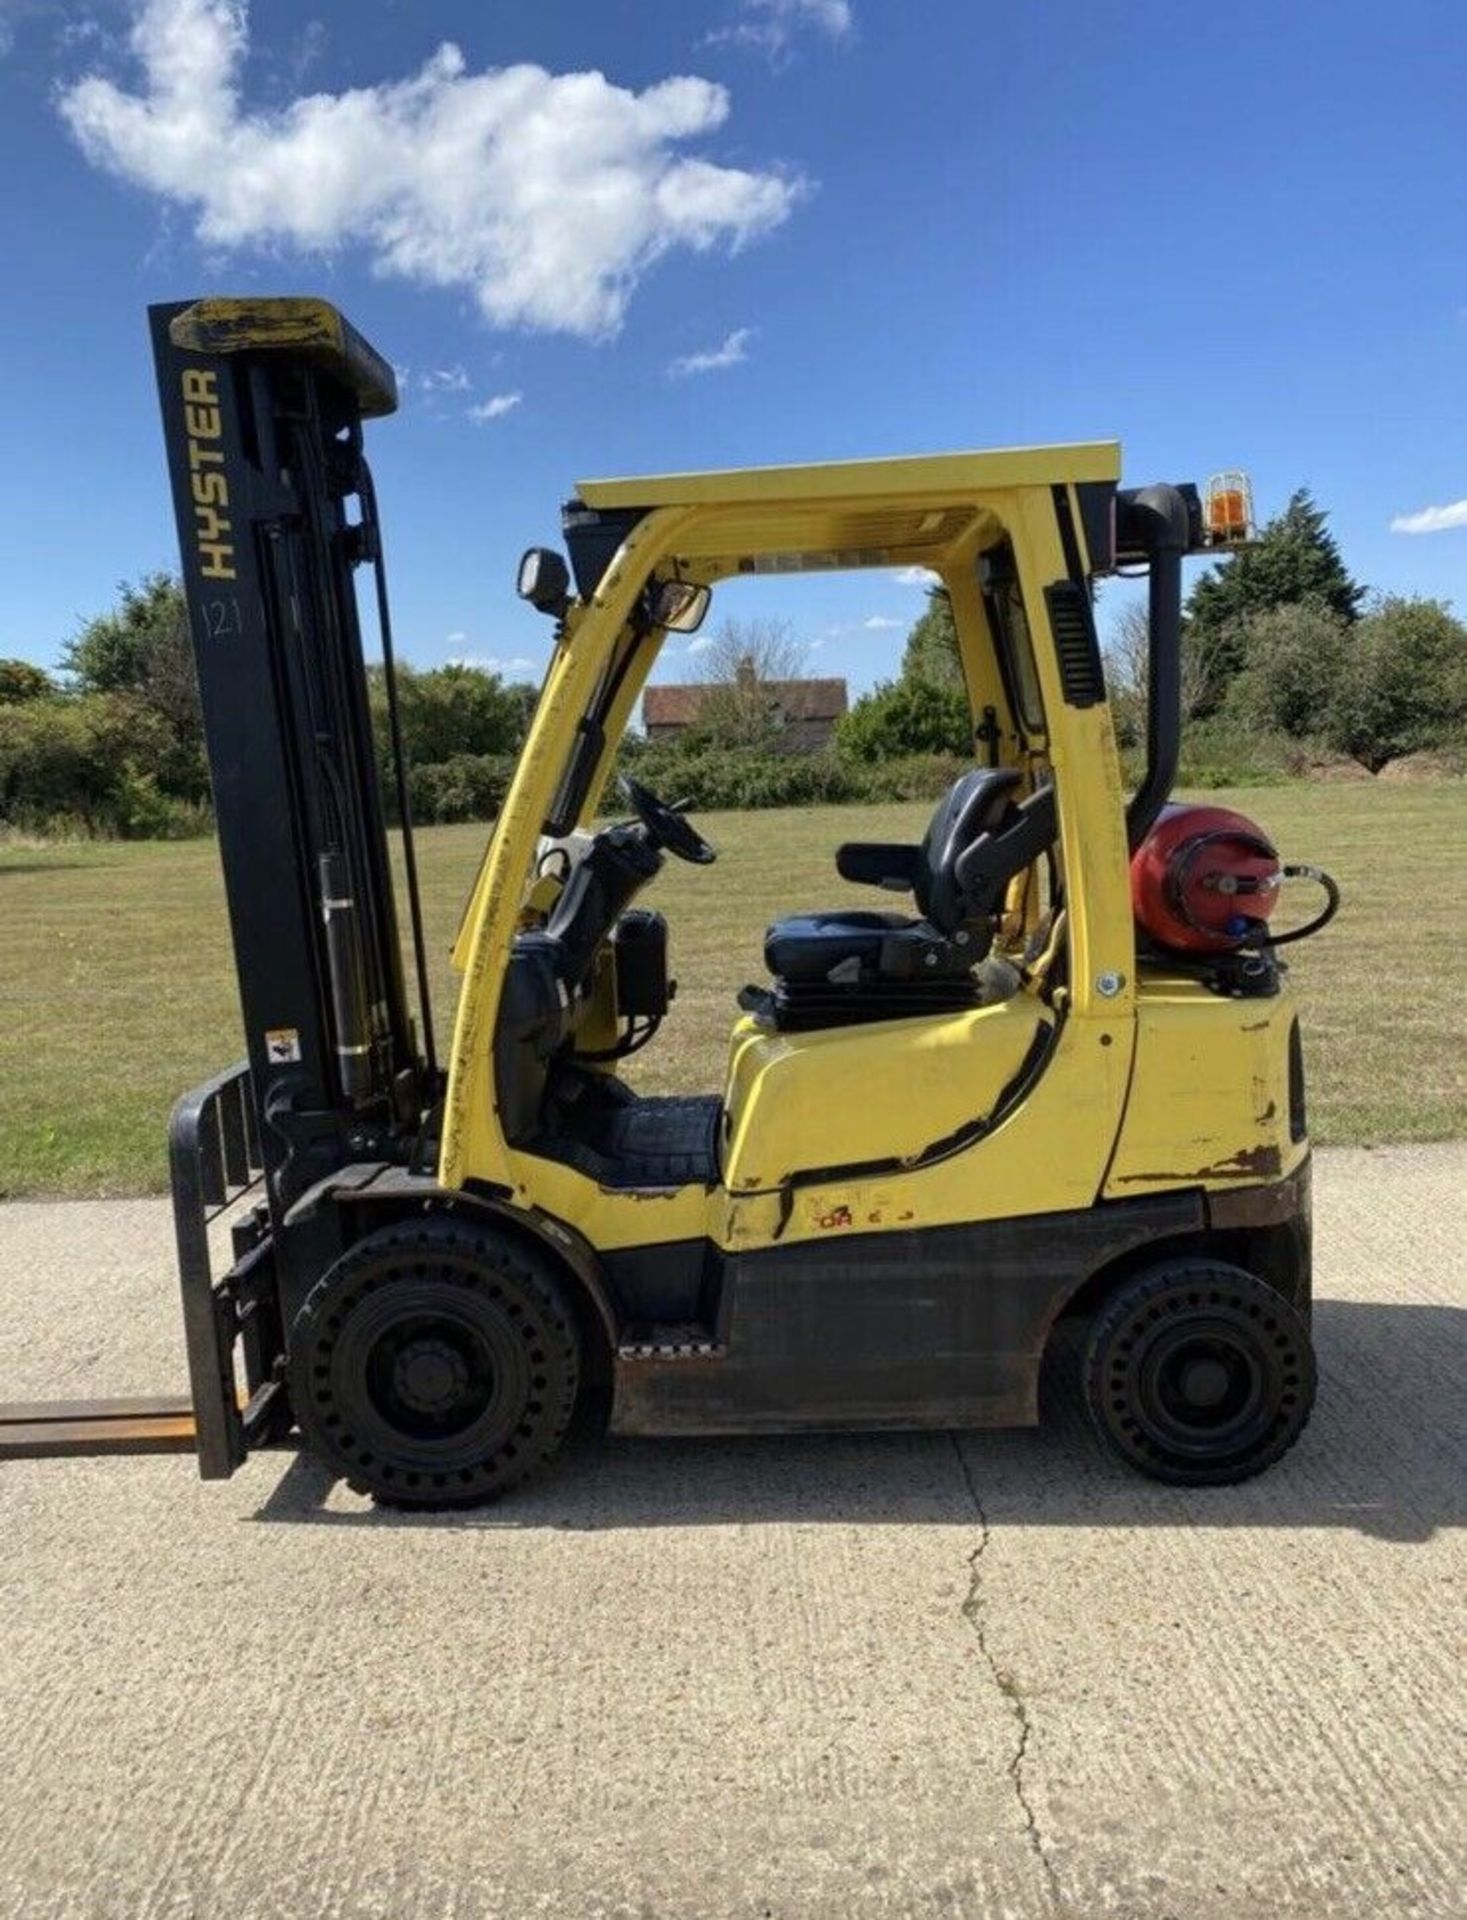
[(1196, 1274), (515, 1261)]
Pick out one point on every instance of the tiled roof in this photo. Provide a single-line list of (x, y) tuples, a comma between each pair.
[(677, 706)]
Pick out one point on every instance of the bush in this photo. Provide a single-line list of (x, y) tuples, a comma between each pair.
[(1293, 661), (718, 779), (450, 711), (1403, 688), (904, 717), (141, 810), (1392, 684), (1227, 751), (87, 763), (914, 776), (43, 763), (721, 777), (468, 786), (20, 681)]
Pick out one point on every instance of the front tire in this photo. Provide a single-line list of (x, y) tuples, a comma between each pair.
[(1198, 1373), (436, 1364)]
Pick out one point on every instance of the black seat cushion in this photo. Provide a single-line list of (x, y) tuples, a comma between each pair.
[(850, 946), (847, 947)]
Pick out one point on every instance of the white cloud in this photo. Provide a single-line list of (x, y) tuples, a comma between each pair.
[(495, 407), (1432, 519), (701, 643), (457, 638), (769, 26), (444, 380), (548, 196), (813, 646), (511, 667), (732, 352), (915, 577), (879, 623)]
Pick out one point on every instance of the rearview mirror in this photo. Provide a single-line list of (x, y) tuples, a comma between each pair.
[(680, 605)]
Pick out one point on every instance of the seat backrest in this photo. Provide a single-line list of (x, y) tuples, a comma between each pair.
[(973, 805)]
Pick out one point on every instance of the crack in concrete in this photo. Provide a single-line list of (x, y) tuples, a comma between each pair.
[(973, 1613)]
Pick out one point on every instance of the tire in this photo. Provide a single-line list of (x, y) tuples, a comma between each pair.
[(1198, 1373), (436, 1365)]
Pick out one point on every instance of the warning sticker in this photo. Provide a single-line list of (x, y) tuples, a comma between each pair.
[(283, 1044)]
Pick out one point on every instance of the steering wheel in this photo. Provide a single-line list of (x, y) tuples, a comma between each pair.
[(667, 826)]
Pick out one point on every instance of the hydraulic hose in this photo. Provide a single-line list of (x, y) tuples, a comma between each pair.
[(400, 771)]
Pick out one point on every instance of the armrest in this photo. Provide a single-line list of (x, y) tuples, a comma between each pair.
[(875, 864)]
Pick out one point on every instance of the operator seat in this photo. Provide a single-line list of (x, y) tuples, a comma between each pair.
[(850, 965)]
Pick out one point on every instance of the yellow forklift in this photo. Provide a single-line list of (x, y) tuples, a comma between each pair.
[(1058, 1074)]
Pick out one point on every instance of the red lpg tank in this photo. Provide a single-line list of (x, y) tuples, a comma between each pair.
[(1204, 880)]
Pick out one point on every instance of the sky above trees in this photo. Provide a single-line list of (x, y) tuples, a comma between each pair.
[(619, 238)]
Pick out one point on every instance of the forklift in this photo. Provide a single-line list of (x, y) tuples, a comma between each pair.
[(1059, 1078)]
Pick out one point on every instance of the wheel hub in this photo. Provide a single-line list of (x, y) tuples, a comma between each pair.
[(429, 1376), (1204, 1383)]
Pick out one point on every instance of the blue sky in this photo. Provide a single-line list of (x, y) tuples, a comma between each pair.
[(769, 230)]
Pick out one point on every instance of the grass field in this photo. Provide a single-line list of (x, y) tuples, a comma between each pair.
[(117, 991)]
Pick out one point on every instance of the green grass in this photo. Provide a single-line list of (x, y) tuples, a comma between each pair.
[(117, 989)]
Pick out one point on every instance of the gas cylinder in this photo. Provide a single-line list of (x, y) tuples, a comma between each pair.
[(1204, 880)]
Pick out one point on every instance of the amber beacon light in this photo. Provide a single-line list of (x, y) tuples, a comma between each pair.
[(1227, 511)]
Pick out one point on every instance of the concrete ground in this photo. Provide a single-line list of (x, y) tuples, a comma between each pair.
[(985, 1675)]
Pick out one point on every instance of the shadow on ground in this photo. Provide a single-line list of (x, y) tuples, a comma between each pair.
[(1386, 1453)]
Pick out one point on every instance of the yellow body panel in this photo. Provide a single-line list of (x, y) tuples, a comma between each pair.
[(611, 1218), (850, 1096), (1209, 1101), (904, 480), (1048, 1156)]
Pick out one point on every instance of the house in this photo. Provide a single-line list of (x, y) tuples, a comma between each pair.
[(803, 713)]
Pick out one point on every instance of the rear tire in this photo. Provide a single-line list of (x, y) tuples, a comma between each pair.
[(436, 1364), (1198, 1373)]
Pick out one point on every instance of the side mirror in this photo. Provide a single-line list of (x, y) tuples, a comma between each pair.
[(680, 605), (544, 580)]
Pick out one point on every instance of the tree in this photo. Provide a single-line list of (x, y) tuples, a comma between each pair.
[(141, 652), (447, 711), (1128, 667), (125, 651), (1296, 558), (743, 661), (906, 716), (20, 681), (1403, 686), (931, 652)]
